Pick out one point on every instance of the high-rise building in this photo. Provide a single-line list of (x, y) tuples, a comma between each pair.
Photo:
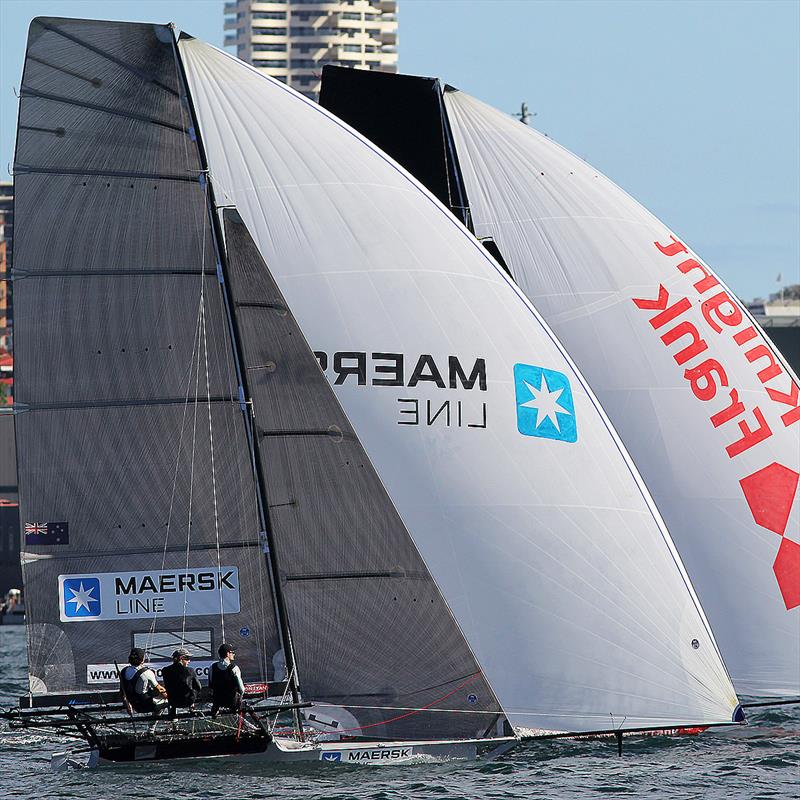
[(292, 40)]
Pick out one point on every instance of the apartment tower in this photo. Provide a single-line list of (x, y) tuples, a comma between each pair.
[(291, 40)]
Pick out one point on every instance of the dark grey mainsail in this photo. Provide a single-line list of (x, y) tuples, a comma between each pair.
[(138, 486), (137, 491), (371, 631)]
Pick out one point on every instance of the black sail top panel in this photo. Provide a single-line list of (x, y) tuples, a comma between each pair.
[(105, 147), (405, 116), (376, 646), (137, 495)]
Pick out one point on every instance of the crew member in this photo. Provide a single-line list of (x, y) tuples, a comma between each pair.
[(180, 682), (139, 686), (226, 682)]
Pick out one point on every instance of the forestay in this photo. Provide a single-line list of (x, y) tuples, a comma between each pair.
[(510, 481), (136, 532), (701, 398)]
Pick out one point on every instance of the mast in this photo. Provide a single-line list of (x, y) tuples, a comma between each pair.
[(244, 397)]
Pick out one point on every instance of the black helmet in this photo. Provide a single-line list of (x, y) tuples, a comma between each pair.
[(224, 649), (136, 655)]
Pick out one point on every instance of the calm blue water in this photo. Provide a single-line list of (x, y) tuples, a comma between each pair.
[(761, 760)]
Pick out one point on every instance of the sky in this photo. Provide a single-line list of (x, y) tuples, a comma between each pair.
[(693, 107)]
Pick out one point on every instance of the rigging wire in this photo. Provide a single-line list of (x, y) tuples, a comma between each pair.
[(192, 464), (414, 711), (213, 480), (195, 353)]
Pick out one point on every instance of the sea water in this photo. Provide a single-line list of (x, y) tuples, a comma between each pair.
[(759, 760)]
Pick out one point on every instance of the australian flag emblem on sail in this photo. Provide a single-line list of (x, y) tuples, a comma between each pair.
[(46, 533)]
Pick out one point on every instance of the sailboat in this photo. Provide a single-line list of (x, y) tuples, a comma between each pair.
[(273, 394), (703, 401)]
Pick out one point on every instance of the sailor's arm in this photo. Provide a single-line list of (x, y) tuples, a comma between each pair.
[(237, 673)]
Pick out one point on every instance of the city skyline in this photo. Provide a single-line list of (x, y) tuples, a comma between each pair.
[(291, 40), (694, 109)]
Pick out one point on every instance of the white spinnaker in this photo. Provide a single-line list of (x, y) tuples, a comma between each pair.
[(567, 588), (581, 249)]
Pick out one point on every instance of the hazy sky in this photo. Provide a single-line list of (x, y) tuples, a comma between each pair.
[(692, 107)]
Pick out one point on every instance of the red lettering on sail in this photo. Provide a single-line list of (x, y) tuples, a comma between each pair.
[(673, 248), (791, 399), (716, 307), (705, 283), (769, 492), (750, 436)]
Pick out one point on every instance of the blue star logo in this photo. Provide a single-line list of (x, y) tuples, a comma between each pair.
[(81, 597), (331, 756), (545, 407)]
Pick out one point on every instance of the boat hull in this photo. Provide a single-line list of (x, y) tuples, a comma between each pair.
[(289, 751)]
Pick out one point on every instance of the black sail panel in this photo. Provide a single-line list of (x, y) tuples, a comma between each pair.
[(405, 116), (376, 646), (137, 495)]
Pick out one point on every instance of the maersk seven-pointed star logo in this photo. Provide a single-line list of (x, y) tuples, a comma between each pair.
[(544, 403), (331, 755), (81, 597)]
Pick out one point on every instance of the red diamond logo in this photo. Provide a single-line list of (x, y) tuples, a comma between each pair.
[(787, 571), (770, 494)]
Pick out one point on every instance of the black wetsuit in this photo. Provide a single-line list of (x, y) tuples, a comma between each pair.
[(182, 686)]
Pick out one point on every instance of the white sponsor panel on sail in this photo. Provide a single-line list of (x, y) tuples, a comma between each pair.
[(97, 674), (516, 490), (703, 401), (129, 595)]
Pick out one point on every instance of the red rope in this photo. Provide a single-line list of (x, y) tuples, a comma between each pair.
[(415, 711)]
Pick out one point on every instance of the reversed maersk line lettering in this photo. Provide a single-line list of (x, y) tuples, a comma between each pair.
[(771, 491), (390, 369), (393, 370)]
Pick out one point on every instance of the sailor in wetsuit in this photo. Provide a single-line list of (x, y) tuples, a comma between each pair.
[(140, 688), (180, 682), (225, 681)]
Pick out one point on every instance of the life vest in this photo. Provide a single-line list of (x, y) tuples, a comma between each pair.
[(138, 701), (179, 681), (224, 687)]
